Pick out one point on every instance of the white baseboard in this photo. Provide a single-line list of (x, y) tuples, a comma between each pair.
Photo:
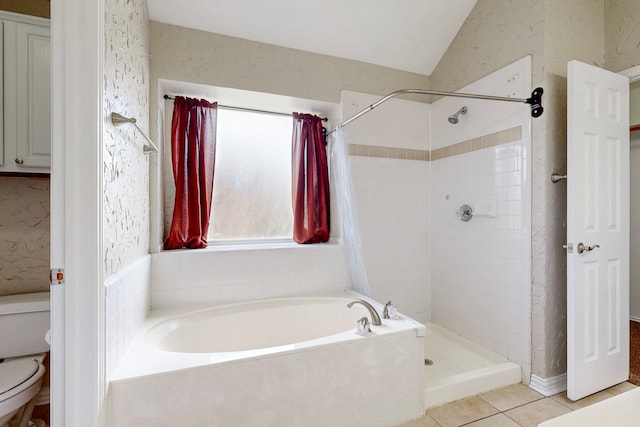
[(549, 386), (554, 385)]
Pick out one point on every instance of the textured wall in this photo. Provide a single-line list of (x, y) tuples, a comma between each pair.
[(126, 168), (24, 235), (498, 32), (199, 57), (622, 34), (126, 175), (574, 29)]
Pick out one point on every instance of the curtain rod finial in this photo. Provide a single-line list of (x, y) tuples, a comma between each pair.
[(536, 102)]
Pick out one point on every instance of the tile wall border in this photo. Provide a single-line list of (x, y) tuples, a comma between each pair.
[(486, 141)]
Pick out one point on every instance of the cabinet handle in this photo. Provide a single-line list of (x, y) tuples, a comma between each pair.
[(19, 160)]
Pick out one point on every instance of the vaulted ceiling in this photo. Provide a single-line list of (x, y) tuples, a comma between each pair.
[(409, 35)]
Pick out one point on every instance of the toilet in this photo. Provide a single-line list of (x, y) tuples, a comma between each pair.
[(24, 321)]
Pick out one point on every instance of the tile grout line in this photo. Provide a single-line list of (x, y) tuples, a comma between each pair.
[(499, 411), (538, 399)]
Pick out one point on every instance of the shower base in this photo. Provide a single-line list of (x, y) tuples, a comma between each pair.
[(461, 368)]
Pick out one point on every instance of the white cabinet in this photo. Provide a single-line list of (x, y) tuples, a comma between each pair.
[(26, 94)]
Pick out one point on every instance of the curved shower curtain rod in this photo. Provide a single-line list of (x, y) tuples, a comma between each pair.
[(535, 101)]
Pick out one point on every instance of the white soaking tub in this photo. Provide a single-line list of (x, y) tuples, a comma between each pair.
[(281, 362)]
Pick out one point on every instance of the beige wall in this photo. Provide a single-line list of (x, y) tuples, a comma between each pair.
[(194, 56), (574, 29), (622, 34), (496, 33), (24, 235)]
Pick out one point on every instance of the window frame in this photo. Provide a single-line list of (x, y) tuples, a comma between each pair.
[(162, 182)]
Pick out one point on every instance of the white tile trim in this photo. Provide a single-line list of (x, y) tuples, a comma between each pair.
[(634, 318), (549, 386)]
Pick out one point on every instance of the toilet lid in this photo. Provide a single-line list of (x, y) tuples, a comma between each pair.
[(16, 371)]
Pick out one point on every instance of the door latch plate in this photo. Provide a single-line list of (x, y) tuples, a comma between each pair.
[(56, 276)]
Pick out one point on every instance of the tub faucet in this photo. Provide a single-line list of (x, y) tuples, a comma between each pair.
[(375, 318)]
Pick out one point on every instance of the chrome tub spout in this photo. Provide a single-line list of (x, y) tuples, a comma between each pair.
[(375, 318)]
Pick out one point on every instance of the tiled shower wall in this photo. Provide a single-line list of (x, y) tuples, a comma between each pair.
[(390, 172), (480, 276)]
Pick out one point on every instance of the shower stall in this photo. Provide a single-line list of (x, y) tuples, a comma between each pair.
[(413, 166)]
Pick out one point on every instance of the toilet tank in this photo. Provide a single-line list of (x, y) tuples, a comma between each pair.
[(24, 321)]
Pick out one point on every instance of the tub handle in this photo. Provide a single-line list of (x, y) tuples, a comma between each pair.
[(363, 327), (390, 311)]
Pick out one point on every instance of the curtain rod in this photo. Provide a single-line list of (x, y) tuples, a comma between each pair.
[(535, 101), (251, 110)]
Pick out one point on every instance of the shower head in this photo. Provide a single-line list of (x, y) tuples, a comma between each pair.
[(453, 119)]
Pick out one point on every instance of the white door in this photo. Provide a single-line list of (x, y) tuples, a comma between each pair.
[(57, 363), (597, 229), (78, 383)]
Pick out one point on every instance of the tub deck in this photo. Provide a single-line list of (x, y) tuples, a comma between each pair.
[(341, 380), (144, 359)]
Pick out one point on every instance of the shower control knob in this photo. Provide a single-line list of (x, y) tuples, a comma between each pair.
[(464, 213), (19, 160)]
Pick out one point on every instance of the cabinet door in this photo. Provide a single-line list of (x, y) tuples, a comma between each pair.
[(33, 96)]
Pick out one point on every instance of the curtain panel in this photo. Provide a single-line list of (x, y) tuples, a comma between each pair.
[(193, 148), (310, 180)]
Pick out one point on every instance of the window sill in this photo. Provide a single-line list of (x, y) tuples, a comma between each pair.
[(254, 246)]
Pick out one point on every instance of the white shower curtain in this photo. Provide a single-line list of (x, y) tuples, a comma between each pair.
[(348, 214)]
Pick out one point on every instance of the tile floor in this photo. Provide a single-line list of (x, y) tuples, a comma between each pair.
[(512, 406)]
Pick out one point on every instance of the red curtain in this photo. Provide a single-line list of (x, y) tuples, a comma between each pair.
[(309, 180), (193, 148)]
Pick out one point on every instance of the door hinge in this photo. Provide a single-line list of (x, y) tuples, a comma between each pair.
[(568, 247), (56, 276)]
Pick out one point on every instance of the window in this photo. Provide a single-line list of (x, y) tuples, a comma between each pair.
[(252, 181)]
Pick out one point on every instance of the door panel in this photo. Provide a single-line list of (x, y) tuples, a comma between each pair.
[(597, 229), (33, 101)]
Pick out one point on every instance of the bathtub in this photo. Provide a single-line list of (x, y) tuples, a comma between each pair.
[(280, 362)]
